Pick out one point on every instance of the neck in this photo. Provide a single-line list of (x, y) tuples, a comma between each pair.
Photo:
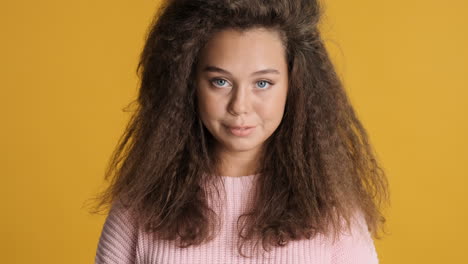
[(240, 163)]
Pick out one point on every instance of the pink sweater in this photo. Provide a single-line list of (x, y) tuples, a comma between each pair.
[(121, 241)]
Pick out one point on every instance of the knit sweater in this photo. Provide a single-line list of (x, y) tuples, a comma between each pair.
[(122, 241)]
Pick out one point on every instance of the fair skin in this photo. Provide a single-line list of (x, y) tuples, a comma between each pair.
[(242, 83)]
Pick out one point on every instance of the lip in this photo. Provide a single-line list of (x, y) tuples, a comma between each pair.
[(240, 131), (241, 127)]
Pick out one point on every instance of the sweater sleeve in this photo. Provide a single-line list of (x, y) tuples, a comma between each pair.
[(118, 238), (355, 247)]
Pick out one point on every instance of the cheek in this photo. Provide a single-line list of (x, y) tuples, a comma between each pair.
[(209, 106), (272, 108), (271, 114)]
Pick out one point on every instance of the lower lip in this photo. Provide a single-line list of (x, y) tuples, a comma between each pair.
[(241, 132)]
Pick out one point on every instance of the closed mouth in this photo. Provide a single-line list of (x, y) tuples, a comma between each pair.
[(241, 128)]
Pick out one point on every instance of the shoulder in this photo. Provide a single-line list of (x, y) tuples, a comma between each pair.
[(118, 237), (355, 245)]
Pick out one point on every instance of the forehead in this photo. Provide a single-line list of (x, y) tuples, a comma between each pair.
[(255, 48)]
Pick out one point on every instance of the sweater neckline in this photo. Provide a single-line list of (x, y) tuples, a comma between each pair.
[(239, 177)]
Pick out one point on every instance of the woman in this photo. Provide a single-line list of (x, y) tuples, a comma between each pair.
[(244, 147)]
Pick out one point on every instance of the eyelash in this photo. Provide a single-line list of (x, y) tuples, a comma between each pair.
[(212, 81)]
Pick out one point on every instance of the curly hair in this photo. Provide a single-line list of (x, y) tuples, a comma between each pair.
[(317, 169)]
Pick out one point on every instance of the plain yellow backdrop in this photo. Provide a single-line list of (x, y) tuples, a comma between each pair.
[(68, 70)]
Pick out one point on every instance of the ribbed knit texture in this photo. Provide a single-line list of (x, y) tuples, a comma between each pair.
[(122, 241)]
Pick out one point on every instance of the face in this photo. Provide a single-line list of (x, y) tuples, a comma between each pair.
[(242, 83)]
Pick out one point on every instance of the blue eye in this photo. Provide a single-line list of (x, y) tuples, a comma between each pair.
[(219, 82), (264, 84)]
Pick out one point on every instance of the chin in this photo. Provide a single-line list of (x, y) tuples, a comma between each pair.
[(239, 146)]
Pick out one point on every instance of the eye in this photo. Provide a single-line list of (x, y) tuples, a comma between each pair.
[(219, 82), (263, 84)]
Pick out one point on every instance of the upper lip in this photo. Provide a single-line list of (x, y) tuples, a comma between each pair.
[(240, 127)]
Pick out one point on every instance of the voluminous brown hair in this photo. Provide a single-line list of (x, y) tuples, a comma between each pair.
[(317, 168)]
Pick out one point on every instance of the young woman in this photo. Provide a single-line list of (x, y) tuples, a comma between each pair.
[(244, 147)]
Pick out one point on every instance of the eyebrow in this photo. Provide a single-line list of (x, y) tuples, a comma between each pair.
[(210, 68)]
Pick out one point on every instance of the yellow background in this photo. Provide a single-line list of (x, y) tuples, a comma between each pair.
[(68, 69)]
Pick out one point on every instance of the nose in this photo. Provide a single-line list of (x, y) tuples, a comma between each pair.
[(240, 101)]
